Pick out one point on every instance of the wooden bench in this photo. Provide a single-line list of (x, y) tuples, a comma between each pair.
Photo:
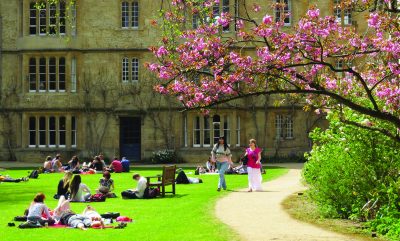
[(166, 178)]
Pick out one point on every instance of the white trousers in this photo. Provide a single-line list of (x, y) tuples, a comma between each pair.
[(255, 178)]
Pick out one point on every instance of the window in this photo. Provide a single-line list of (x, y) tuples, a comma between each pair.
[(73, 75), (73, 131), (32, 75), (53, 19), (225, 9), (125, 14), (47, 17), (32, 132), (196, 132), (289, 127), (42, 131), (283, 10), (61, 131), (32, 18), (48, 76), (42, 75), (135, 14), (130, 14), (284, 126), (52, 75), (135, 70), (42, 21), (342, 13), (238, 131), (237, 15), (206, 132), (62, 17), (125, 70), (185, 131), (130, 70), (50, 131), (216, 127), (61, 75), (195, 21), (227, 130), (216, 9)]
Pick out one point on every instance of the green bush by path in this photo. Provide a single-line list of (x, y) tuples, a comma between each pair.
[(187, 216), (354, 173)]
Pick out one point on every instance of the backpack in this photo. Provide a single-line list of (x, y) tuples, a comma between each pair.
[(29, 224), (34, 174), (97, 197), (151, 193)]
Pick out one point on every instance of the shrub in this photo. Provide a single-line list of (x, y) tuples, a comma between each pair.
[(353, 173), (165, 156)]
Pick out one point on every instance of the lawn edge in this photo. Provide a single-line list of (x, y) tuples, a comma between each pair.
[(298, 212)]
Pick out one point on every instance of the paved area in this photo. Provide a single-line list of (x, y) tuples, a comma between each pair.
[(259, 216)]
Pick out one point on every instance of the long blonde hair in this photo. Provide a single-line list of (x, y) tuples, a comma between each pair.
[(67, 178)]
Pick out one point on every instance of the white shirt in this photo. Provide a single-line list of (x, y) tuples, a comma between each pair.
[(36, 210), (141, 187), (80, 195), (220, 154)]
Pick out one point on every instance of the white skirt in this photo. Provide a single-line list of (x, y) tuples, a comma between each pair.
[(255, 178)]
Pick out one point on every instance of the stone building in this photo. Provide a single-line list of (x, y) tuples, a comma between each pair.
[(73, 82)]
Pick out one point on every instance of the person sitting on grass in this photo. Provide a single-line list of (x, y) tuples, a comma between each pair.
[(74, 164), (47, 165), (106, 185), (210, 165), (56, 165), (37, 209), (97, 165), (79, 191), (125, 164), (63, 186), (140, 189), (115, 166)]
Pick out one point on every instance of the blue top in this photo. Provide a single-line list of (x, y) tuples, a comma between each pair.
[(125, 165)]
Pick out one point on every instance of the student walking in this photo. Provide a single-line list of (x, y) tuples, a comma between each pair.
[(221, 154), (253, 154)]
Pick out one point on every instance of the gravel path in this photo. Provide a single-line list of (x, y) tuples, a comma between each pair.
[(260, 216)]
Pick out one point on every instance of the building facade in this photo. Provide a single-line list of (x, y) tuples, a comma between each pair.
[(73, 82)]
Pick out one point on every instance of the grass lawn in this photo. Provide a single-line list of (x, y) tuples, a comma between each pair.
[(189, 215), (304, 209)]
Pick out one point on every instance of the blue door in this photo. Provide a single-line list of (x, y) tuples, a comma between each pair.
[(130, 136)]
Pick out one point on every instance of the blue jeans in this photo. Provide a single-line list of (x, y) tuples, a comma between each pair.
[(222, 167)]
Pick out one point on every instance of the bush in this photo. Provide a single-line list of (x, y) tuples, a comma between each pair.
[(353, 173), (165, 156)]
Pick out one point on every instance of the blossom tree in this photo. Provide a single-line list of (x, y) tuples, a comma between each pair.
[(204, 66)]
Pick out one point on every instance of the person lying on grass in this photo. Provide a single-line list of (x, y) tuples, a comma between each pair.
[(140, 189), (10, 179)]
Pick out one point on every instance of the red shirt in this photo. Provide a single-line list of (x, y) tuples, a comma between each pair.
[(252, 157), (117, 166)]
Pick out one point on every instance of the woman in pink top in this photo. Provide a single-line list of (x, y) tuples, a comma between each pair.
[(253, 154)]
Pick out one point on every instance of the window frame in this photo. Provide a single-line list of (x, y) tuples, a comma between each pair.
[(206, 123), (227, 129), (130, 14), (279, 11), (238, 130), (74, 132), (196, 131)]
